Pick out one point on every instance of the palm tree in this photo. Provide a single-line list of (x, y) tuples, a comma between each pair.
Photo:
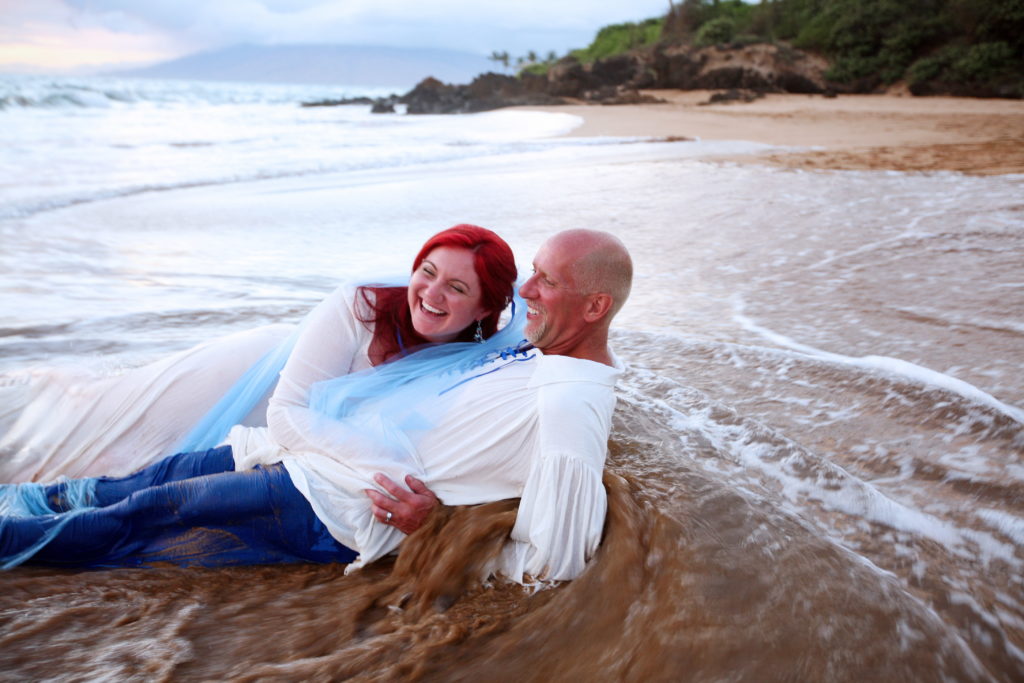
[(501, 57)]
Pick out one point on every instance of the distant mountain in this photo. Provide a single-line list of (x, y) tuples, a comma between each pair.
[(325, 64)]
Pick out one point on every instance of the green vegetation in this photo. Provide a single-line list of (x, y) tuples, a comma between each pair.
[(610, 41), (539, 68), (618, 38), (718, 30), (964, 44)]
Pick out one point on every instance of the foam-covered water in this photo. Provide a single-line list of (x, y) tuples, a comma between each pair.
[(66, 142), (816, 462)]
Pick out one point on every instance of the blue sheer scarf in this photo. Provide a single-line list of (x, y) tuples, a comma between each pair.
[(378, 415), (417, 377), (403, 380), (240, 399)]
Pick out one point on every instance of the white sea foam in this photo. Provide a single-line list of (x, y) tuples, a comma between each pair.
[(895, 366), (754, 458), (1010, 525)]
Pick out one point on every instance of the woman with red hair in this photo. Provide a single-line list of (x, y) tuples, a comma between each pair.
[(397, 326), (220, 505), (80, 426), (462, 279)]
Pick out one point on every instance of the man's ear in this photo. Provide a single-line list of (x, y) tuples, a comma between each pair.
[(597, 307)]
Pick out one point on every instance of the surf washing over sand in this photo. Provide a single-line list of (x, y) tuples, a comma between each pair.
[(815, 471)]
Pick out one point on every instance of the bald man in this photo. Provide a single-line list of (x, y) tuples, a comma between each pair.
[(581, 278), (580, 281)]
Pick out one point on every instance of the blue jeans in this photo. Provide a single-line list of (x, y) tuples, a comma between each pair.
[(190, 509)]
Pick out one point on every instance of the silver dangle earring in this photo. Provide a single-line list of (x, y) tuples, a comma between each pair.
[(479, 336)]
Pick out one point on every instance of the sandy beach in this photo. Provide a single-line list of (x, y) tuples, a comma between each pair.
[(851, 132)]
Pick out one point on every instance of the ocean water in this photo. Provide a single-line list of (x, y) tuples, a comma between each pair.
[(815, 471)]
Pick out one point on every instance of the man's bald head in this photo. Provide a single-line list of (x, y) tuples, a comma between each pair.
[(600, 263), (580, 280)]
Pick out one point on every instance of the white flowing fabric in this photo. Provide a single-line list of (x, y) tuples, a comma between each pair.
[(72, 423), (66, 422)]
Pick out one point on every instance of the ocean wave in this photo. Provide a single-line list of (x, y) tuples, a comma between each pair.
[(39, 92), (412, 158), (116, 326), (29, 207), (885, 364)]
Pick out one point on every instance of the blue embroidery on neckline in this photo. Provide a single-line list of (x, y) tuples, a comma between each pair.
[(509, 354)]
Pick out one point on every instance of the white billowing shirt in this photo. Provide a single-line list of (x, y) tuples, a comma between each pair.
[(534, 427), (334, 342)]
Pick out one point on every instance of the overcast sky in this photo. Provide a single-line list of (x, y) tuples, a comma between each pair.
[(68, 35)]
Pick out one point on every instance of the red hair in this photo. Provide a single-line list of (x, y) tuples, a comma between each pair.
[(494, 264)]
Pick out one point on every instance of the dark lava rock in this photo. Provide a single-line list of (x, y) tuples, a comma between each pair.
[(734, 95), (487, 91), (761, 67), (338, 103), (620, 94), (756, 68)]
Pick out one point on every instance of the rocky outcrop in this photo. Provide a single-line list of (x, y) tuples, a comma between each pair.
[(380, 105), (760, 67), (338, 103), (569, 78), (734, 95), (619, 94), (486, 92)]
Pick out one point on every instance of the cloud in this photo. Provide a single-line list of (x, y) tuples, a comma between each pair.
[(50, 35), (183, 26), (345, 21)]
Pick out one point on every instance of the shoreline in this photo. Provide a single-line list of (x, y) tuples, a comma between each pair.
[(849, 132)]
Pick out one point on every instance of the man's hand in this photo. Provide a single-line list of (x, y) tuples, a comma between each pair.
[(409, 509)]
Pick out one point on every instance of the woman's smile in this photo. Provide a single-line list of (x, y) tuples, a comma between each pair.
[(445, 295)]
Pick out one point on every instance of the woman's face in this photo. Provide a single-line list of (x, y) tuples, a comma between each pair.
[(444, 294)]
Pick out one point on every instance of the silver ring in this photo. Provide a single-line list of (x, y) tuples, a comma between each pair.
[(387, 518)]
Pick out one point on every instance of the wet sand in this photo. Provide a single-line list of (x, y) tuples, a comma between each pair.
[(849, 132)]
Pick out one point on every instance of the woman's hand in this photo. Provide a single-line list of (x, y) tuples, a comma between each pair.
[(406, 510)]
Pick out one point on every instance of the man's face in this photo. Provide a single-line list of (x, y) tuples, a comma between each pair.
[(554, 316)]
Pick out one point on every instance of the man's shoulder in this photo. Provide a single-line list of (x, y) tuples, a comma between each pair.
[(555, 369)]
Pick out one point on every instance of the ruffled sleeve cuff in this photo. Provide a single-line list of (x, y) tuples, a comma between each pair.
[(560, 520)]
